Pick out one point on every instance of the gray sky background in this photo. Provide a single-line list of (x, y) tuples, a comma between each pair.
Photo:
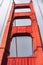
[(24, 45)]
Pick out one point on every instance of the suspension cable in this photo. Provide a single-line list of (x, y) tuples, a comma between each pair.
[(40, 9), (1, 3), (4, 20)]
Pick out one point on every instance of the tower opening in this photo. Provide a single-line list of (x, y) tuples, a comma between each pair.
[(22, 22), (21, 46), (23, 10)]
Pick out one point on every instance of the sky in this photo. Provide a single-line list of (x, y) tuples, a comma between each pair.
[(23, 49)]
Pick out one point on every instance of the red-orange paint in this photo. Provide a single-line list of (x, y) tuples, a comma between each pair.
[(33, 30)]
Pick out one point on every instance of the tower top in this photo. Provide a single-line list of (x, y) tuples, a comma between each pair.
[(30, 0)]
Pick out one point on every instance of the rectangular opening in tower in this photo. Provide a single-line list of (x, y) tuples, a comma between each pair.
[(21, 46), (22, 22), (23, 10)]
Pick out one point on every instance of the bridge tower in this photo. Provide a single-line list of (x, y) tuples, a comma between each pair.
[(32, 30)]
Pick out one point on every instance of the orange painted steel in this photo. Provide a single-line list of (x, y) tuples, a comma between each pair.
[(11, 31), (22, 14), (21, 29), (21, 61), (22, 5)]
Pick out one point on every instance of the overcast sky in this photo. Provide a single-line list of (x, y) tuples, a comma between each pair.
[(23, 49)]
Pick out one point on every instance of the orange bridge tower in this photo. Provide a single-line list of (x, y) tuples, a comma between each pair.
[(11, 31)]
